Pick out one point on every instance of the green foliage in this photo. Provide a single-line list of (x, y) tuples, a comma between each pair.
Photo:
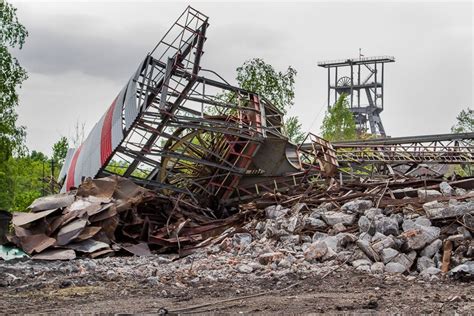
[(278, 87), (293, 130), (465, 122), (60, 150), (12, 34), (339, 124), (21, 180)]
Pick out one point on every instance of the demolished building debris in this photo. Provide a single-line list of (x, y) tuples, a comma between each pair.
[(184, 163)]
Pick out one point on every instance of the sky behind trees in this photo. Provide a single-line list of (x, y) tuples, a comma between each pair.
[(79, 55)]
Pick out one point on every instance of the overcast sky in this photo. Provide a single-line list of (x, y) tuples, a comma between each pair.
[(79, 55)]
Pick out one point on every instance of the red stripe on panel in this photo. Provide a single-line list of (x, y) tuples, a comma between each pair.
[(106, 135), (72, 169)]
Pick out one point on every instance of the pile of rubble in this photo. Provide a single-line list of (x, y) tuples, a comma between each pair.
[(111, 215), (377, 226), (377, 232)]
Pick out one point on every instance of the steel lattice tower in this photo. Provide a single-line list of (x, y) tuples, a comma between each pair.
[(362, 79)]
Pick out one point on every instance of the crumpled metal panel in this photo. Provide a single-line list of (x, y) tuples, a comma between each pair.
[(130, 107)]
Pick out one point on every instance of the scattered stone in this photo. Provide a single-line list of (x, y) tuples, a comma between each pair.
[(388, 254), (315, 223), (423, 194), (364, 268), (422, 221), (339, 227), (430, 271), (111, 275), (367, 249), (332, 218), (384, 243), (275, 211), (270, 257), (377, 268), (372, 212), (450, 211), (460, 191), (446, 189), (153, 280), (357, 206), (315, 251), (365, 225), (394, 267), (359, 262), (243, 268), (418, 238), (424, 263), (463, 271), (386, 225), (242, 239), (430, 250)]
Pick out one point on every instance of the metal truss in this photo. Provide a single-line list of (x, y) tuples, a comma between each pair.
[(432, 149)]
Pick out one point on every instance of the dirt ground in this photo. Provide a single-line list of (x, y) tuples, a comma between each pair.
[(340, 291)]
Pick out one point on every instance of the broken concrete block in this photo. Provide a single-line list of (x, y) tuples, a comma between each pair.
[(339, 227), (422, 221), (423, 194), (315, 251), (332, 218), (377, 237), (319, 236), (315, 223), (365, 225), (388, 254), (468, 220), (363, 268), (446, 189), (431, 249), (357, 206), (450, 211), (360, 262), (386, 225), (405, 260), (372, 212), (377, 268), (369, 252), (275, 211), (270, 257), (384, 243), (460, 191), (418, 238), (243, 268), (430, 271), (394, 267), (241, 239), (424, 263)]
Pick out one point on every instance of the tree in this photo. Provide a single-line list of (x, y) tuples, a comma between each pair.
[(60, 150), (12, 34), (339, 124), (293, 130), (278, 87), (465, 122)]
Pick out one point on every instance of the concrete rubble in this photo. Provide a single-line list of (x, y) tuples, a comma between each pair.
[(428, 235)]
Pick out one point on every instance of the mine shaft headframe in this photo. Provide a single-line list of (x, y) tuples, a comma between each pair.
[(362, 79)]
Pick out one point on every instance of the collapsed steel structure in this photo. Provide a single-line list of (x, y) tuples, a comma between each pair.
[(174, 130)]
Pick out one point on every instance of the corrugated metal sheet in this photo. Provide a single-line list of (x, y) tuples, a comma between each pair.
[(67, 162), (131, 106)]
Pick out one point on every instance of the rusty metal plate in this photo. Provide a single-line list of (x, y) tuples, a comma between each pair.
[(71, 231), (21, 219), (55, 254), (36, 243)]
